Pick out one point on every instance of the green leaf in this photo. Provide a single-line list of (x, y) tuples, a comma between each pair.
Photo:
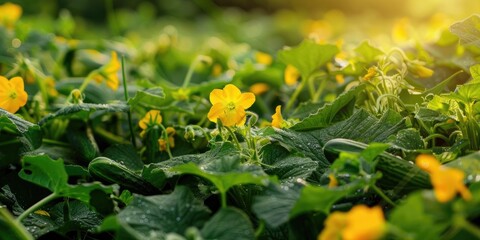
[(367, 52), (150, 98), (228, 223), (475, 72), (361, 126), (80, 217), (51, 174), (308, 56), (10, 228), (469, 164), (468, 30), (286, 167), (30, 134), (217, 151), (275, 203), (83, 110), (338, 110), (124, 154), (164, 213), (225, 172), (468, 92), (409, 139), (154, 175), (320, 198), (414, 218)]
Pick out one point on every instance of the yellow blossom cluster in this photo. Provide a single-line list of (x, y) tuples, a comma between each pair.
[(360, 223)]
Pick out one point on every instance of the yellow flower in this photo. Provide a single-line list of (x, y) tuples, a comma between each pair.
[(370, 74), (152, 117), (360, 223), (12, 94), (401, 31), (229, 105), (364, 223), (334, 225), (420, 70), (277, 118), (108, 72), (50, 83), (333, 181), (9, 14), (263, 58), (171, 141), (291, 75), (447, 182), (259, 88)]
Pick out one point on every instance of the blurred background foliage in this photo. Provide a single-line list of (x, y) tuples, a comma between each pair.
[(264, 24)]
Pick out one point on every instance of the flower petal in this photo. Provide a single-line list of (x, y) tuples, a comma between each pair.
[(427, 162), (17, 82), (215, 111), (231, 91), (217, 96), (246, 100), (4, 84), (277, 118)]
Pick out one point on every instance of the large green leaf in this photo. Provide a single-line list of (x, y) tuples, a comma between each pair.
[(151, 98), (225, 172), (79, 217), (83, 110), (468, 30), (125, 154), (275, 204), (51, 174), (228, 223), (414, 216), (409, 139), (286, 167), (29, 134), (475, 72), (338, 110), (320, 198), (367, 53), (308, 56), (361, 126), (159, 214), (468, 92)]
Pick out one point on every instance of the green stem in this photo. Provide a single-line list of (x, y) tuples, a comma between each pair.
[(474, 230), (15, 226), (235, 139), (8, 142), (112, 20), (125, 94), (36, 206), (223, 197), (260, 229), (382, 195), (165, 137), (109, 136), (55, 142), (433, 136), (321, 87), (189, 75), (295, 94), (26, 115)]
